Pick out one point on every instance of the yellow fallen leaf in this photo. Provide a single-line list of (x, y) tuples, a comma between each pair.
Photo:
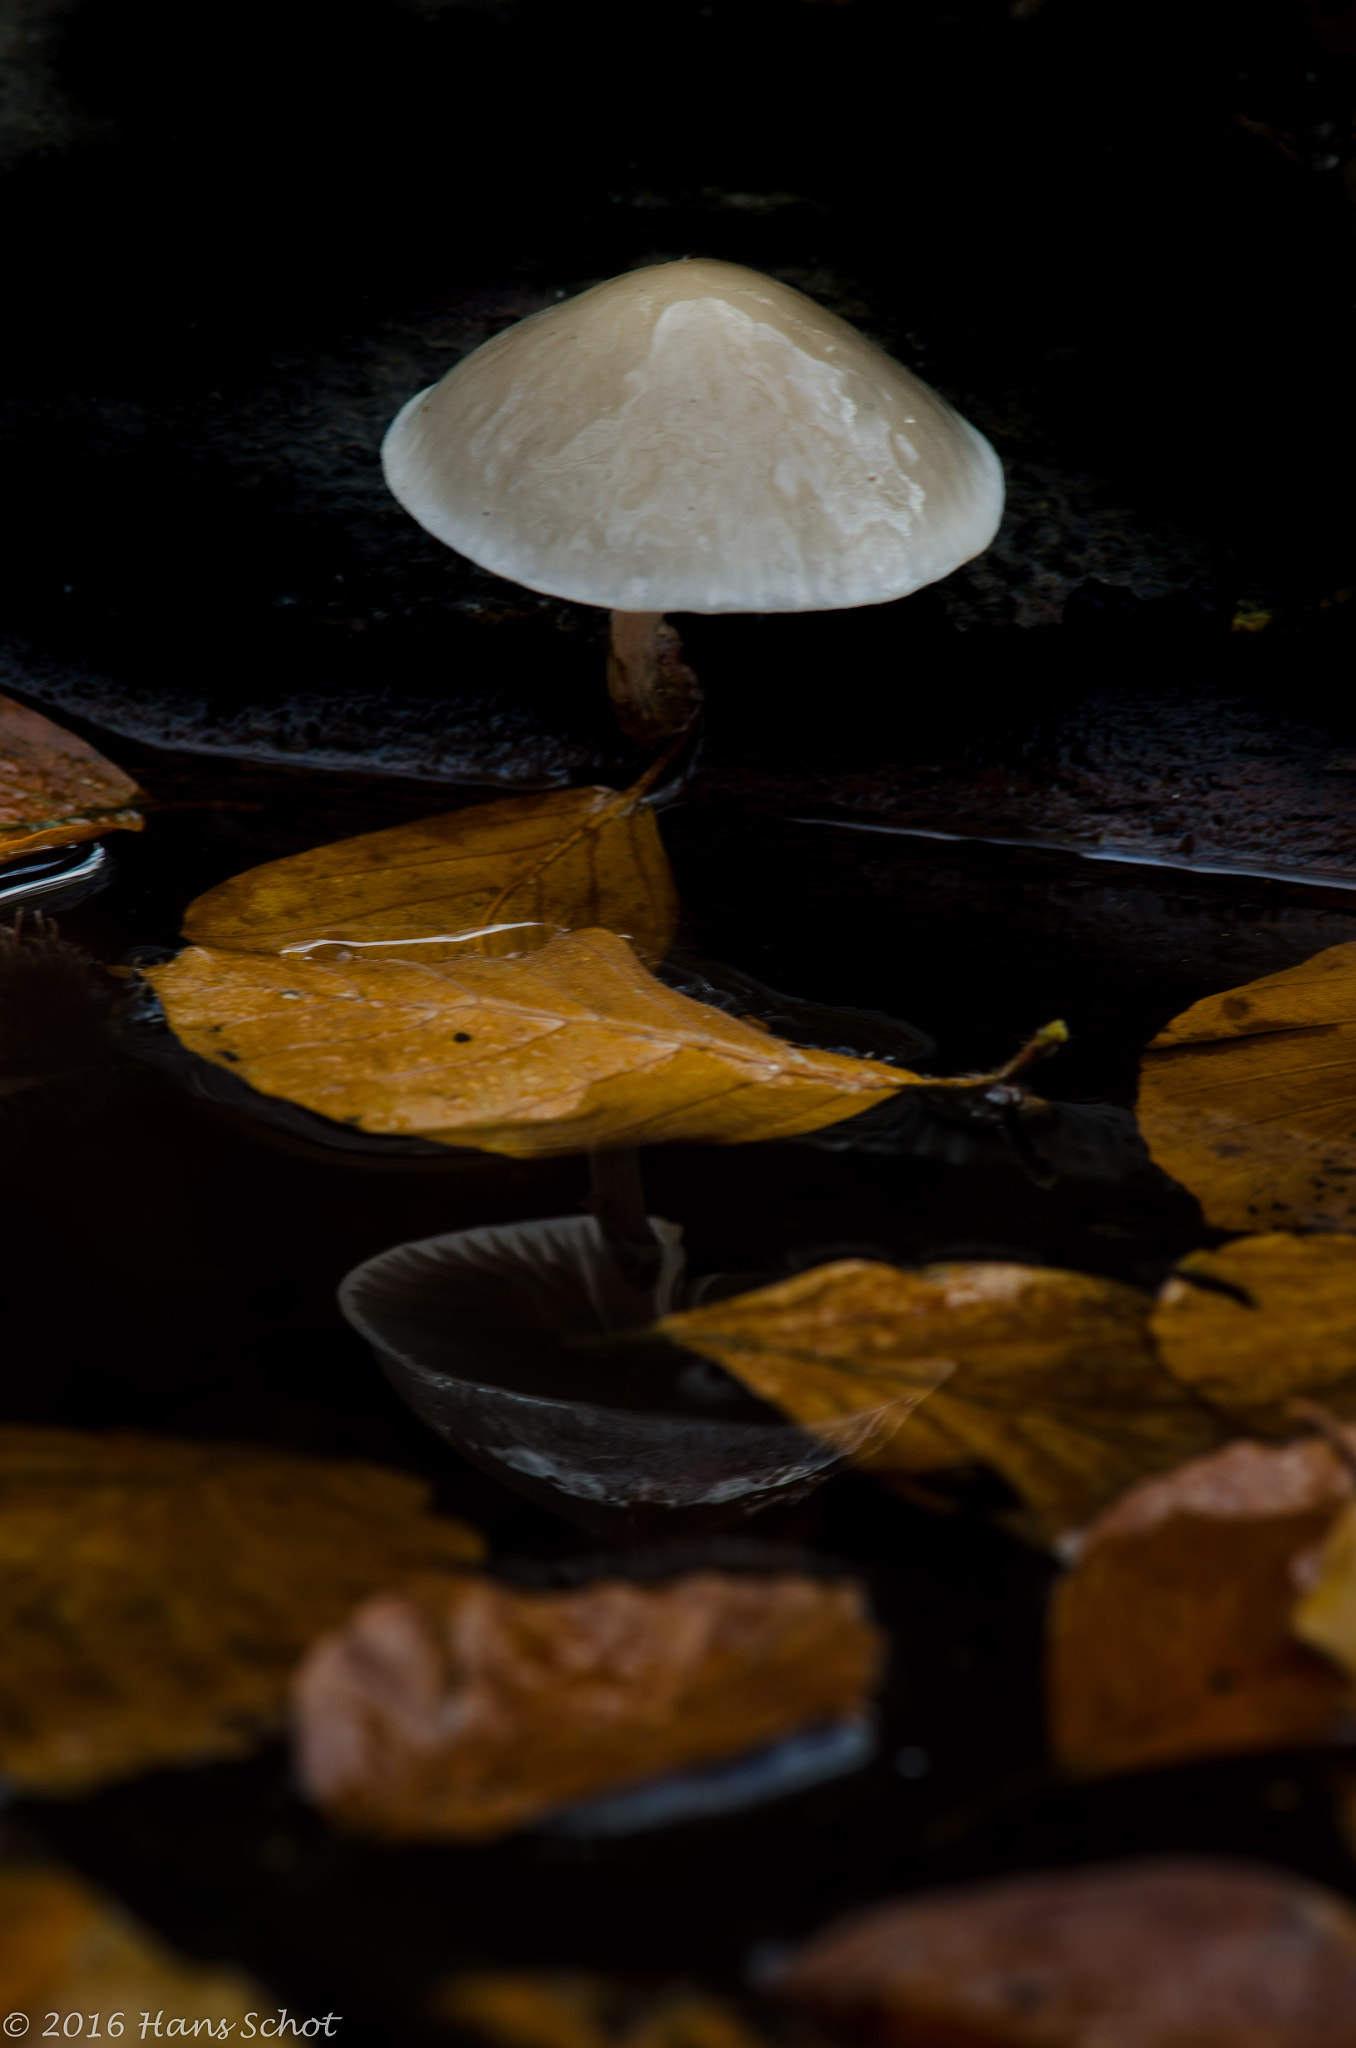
[(1261, 1321), (155, 1596), (1325, 1615), (825, 1346), (514, 872), (572, 1046), (56, 789), (1050, 1377), (1246, 1098), (65, 1949)]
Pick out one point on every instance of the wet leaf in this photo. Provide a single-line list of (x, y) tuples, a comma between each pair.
[(56, 789), (1246, 1099), (1325, 1615), (1173, 1952), (1172, 1636), (156, 1596), (531, 865), (464, 1709), (1050, 1377), (1262, 1321), (560, 2009), (573, 1046), (63, 1947)]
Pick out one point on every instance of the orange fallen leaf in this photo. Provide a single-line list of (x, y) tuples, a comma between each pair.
[(1172, 1636), (462, 1709), (568, 2009), (64, 1947), (1049, 1377), (1262, 1321), (572, 1046), (56, 789), (1169, 1952), (1246, 1099), (516, 871), (156, 1596)]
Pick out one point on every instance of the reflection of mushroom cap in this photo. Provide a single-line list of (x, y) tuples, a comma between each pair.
[(695, 437)]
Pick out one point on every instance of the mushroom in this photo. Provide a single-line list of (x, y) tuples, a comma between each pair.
[(693, 437)]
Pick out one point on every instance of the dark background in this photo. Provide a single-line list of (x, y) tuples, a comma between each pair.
[(236, 239)]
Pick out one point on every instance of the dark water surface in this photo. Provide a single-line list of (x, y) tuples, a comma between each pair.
[(237, 241), (175, 1265)]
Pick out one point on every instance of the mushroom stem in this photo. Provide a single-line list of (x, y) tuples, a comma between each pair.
[(654, 693), (617, 1199)]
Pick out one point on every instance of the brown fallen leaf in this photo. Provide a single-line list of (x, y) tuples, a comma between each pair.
[(1261, 1321), (56, 789), (1171, 1637), (1173, 1952), (573, 1046), (517, 872), (156, 1596), (460, 1708), (1246, 1099), (1050, 1377), (568, 2009), (64, 1948)]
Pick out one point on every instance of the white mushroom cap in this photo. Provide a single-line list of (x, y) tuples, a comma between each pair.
[(695, 437)]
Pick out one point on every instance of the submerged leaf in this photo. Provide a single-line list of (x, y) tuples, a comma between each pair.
[(1172, 1636), (1246, 1098), (512, 873), (64, 1947), (155, 1596), (56, 789), (461, 1709), (1261, 1321), (573, 1046), (1050, 1377), (1173, 1952)]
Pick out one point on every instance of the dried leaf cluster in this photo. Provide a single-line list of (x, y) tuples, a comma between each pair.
[(478, 979), (1048, 1377)]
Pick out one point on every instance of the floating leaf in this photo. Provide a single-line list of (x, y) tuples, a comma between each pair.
[(458, 1708), (513, 873), (1261, 1321), (1171, 1638), (1246, 1099), (1173, 1952), (1050, 1377), (56, 789), (574, 1046), (156, 1596), (62, 1947), (567, 2009)]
